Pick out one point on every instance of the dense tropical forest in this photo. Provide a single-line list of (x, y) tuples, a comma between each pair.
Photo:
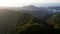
[(39, 21)]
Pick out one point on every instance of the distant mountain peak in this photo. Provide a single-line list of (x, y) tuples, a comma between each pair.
[(30, 7)]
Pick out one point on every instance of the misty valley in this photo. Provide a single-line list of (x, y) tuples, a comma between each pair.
[(30, 20)]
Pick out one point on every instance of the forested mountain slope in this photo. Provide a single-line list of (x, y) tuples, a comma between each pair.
[(16, 22), (30, 25)]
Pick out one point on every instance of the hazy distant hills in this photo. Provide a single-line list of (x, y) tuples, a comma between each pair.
[(56, 8), (35, 11), (36, 6), (30, 7)]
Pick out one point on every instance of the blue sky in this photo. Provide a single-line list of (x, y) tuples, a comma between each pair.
[(19, 3)]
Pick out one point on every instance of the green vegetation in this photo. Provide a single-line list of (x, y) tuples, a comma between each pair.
[(55, 21), (28, 24), (23, 23)]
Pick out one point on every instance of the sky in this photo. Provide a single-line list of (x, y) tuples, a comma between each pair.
[(19, 3)]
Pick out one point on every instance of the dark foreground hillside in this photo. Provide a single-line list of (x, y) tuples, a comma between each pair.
[(28, 24), (12, 22)]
